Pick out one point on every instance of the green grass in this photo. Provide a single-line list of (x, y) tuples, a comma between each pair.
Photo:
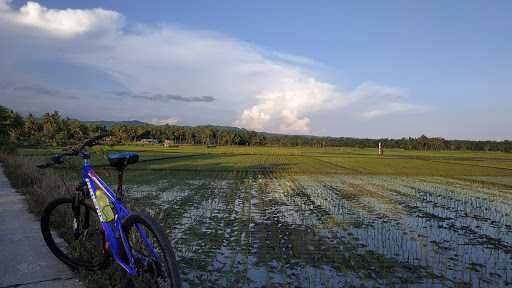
[(306, 160)]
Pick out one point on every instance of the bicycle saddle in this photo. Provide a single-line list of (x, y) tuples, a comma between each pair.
[(120, 160)]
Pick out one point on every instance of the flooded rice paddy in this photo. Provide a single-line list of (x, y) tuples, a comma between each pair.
[(334, 231)]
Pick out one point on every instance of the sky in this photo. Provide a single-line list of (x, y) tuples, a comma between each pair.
[(338, 68)]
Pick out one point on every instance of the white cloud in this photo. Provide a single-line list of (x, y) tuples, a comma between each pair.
[(66, 22), (391, 108), (4, 5), (377, 91), (283, 107), (252, 87), (169, 121)]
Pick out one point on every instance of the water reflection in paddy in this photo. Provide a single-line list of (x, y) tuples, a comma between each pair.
[(332, 231)]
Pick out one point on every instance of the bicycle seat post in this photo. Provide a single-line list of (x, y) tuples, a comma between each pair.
[(120, 161)]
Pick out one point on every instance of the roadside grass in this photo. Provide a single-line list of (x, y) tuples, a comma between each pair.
[(38, 186)]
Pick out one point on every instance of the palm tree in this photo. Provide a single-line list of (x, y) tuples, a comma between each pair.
[(16, 126)]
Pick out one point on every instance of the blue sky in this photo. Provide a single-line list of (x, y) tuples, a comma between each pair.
[(364, 69)]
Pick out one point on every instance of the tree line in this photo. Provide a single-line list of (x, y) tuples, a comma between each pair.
[(51, 129)]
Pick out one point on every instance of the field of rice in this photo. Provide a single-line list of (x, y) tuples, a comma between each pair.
[(336, 230), (290, 217)]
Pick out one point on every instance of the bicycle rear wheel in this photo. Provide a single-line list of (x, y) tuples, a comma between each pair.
[(84, 251), (154, 258)]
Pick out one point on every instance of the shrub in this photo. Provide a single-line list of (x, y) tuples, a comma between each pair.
[(39, 186)]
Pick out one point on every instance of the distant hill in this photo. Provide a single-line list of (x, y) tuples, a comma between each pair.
[(231, 128), (109, 124), (219, 127)]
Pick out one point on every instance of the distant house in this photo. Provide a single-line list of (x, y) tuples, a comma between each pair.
[(109, 140), (168, 143), (149, 141)]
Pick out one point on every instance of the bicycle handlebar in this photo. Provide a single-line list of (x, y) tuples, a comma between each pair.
[(59, 158), (90, 142)]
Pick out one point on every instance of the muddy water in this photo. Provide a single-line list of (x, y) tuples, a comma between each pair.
[(333, 231)]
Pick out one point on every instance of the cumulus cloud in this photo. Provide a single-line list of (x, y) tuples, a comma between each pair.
[(66, 22), (284, 107), (290, 106), (253, 88)]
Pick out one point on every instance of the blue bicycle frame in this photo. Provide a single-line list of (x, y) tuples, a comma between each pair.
[(113, 229)]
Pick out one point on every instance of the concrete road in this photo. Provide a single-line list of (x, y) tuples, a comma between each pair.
[(25, 261)]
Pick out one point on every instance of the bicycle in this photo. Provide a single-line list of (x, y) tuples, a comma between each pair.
[(134, 240)]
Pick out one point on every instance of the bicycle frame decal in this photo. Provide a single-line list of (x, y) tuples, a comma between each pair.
[(92, 191)]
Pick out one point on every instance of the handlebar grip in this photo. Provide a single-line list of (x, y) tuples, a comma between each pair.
[(57, 159)]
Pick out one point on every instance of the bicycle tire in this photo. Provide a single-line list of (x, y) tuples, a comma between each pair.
[(52, 214), (168, 260)]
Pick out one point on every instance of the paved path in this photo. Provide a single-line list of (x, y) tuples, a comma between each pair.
[(25, 261)]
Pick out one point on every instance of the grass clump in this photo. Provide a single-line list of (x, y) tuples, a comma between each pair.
[(37, 185)]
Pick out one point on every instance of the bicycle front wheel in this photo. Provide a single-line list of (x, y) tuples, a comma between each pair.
[(153, 253), (82, 251)]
